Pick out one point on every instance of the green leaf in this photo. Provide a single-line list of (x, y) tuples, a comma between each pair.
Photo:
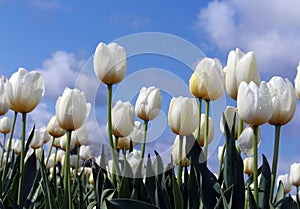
[(150, 182), (193, 189), (252, 202), (107, 194), (178, 199), (158, 166), (280, 193), (161, 199), (288, 202), (127, 203), (264, 185), (126, 186)]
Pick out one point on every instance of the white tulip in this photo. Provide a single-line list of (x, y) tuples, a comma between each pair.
[(72, 109), (122, 115), (297, 82), (229, 114), (295, 174), (54, 128), (85, 152), (4, 107), (175, 151), (16, 146), (63, 142), (183, 115), (5, 125), (148, 103), (207, 82), (245, 141), (284, 100), (202, 130), (110, 63), (285, 181), (24, 90), (44, 134), (81, 136), (135, 136), (248, 165), (134, 158), (254, 103), (37, 140)]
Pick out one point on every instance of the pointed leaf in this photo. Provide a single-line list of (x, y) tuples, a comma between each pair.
[(264, 185), (127, 203)]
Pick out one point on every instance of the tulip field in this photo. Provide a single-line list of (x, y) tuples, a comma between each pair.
[(66, 175)]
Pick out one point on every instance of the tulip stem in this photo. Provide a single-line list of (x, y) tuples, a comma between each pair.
[(275, 159), (22, 158), (179, 171), (206, 129), (50, 150), (255, 170), (144, 138), (3, 147), (9, 147), (77, 160), (222, 159), (297, 195), (199, 115), (240, 127), (67, 179)]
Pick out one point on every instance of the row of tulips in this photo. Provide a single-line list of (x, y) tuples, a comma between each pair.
[(258, 102)]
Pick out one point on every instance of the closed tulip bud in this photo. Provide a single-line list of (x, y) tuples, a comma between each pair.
[(245, 141), (285, 181), (295, 174), (24, 90), (54, 128), (202, 131), (16, 146), (38, 153), (175, 151), (248, 165), (81, 136), (44, 134), (284, 100), (240, 67), (183, 115), (148, 103), (37, 140), (297, 82), (63, 142), (56, 142), (4, 107), (254, 103), (110, 63), (85, 152), (135, 136), (122, 119), (72, 109), (229, 114), (5, 125), (207, 82), (60, 154)]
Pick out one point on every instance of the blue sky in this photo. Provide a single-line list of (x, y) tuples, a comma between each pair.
[(58, 38)]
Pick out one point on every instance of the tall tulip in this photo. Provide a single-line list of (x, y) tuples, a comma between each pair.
[(295, 176), (71, 112), (297, 82), (183, 120), (285, 181), (147, 107), (255, 108), (4, 107), (245, 142), (284, 104)]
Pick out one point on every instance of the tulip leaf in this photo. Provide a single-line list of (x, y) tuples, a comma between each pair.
[(233, 169), (193, 190), (128, 203), (125, 188), (178, 199), (1, 205), (223, 200), (150, 180), (139, 190), (251, 200), (264, 185), (185, 187), (107, 194), (161, 199), (288, 202), (13, 203), (158, 166), (208, 178), (280, 193)]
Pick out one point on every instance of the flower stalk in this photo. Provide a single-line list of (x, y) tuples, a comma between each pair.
[(3, 146), (67, 177), (179, 168), (206, 128), (50, 150), (255, 169), (199, 124), (144, 138)]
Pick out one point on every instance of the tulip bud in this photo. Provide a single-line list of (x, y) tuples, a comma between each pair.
[(183, 115), (207, 82), (202, 130), (85, 152), (72, 109), (81, 136), (285, 181), (37, 140), (254, 103), (229, 114), (135, 136), (175, 151), (63, 142), (4, 107), (54, 129), (240, 67), (24, 90), (110, 63), (248, 165), (5, 125), (44, 134), (60, 154), (148, 103), (284, 100), (295, 174), (297, 82), (122, 115), (16, 146), (245, 141), (56, 142)]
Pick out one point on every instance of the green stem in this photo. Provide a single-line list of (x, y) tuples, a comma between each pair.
[(275, 159), (255, 170), (49, 151), (206, 129), (77, 160), (199, 115), (67, 177), (222, 159), (297, 195), (179, 171), (144, 138), (9, 147), (3, 148), (22, 158), (240, 127)]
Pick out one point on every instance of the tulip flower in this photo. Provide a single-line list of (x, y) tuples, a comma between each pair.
[(37, 140), (297, 82), (81, 136), (295, 174), (85, 152), (4, 107), (285, 181), (229, 113), (203, 126), (134, 158), (185, 162), (54, 128), (122, 119), (135, 137), (240, 67), (246, 140), (5, 127), (64, 140), (110, 63), (248, 165), (284, 104), (16, 146)]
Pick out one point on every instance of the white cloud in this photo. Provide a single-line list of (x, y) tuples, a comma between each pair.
[(270, 29), (41, 115)]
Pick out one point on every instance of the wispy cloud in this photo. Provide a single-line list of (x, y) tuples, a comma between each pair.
[(271, 30)]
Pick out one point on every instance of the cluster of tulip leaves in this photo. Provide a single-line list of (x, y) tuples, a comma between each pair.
[(159, 189)]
